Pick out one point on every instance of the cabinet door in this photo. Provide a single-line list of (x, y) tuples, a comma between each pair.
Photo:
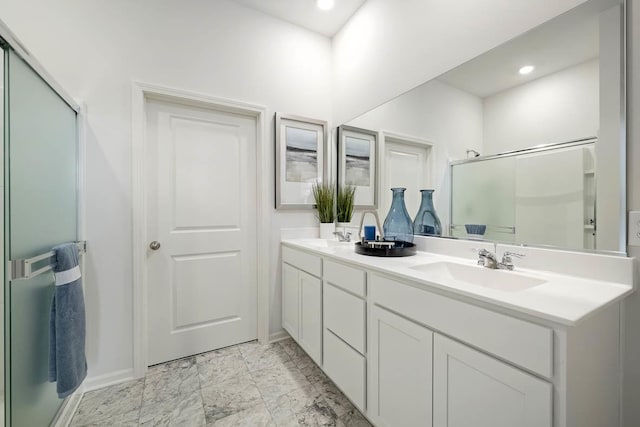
[(290, 300), (399, 374), (471, 388), (310, 333), (345, 316), (346, 367)]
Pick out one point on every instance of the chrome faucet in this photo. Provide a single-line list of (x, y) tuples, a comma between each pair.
[(343, 237), (488, 259)]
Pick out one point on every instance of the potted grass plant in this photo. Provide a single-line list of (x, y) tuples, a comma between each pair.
[(344, 205), (324, 195)]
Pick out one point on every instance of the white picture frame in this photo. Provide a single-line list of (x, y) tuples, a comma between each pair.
[(301, 153), (358, 164)]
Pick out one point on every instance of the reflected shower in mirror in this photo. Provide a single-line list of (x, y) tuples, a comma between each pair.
[(542, 196), (521, 106)]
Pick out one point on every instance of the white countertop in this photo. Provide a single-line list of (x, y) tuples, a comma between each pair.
[(562, 299)]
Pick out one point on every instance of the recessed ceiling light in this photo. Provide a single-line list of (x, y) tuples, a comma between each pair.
[(526, 69), (325, 4)]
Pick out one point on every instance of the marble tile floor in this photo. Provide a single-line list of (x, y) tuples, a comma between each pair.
[(243, 385)]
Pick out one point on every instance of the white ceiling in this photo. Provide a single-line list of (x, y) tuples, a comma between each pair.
[(305, 13), (561, 43)]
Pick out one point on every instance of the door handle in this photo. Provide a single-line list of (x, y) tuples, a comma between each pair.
[(155, 245)]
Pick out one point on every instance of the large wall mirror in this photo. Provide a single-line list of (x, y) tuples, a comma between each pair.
[(527, 139)]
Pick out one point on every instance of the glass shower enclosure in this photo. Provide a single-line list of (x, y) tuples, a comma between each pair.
[(40, 188)]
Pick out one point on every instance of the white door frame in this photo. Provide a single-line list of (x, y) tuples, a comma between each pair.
[(140, 93), (386, 135)]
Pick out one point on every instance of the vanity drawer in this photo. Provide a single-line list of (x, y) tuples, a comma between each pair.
[(346, 367), (312, 264), (348, 278), (345, 316), (523, 343)]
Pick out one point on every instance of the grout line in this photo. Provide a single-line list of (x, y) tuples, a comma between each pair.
[(264, 402), (204, 413)]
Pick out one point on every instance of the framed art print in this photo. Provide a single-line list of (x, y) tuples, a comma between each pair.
[(357, 164), (301, 153)]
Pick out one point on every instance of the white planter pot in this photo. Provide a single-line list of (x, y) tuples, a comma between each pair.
[(327, 229)]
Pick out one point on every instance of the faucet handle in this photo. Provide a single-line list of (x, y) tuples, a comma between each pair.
[(482, 255), (510, 254), (481, 251), (507, 261)]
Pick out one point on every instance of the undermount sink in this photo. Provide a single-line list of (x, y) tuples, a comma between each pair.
[(501, 280), (328, 243)]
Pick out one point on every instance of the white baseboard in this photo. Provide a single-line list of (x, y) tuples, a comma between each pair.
[(278, 336), (101, 381), (68, 408)]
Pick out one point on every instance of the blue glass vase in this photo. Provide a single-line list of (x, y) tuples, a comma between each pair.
[(397, 225), (427, 222)]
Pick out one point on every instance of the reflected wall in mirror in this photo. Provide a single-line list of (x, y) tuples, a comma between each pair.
[(569, 196)]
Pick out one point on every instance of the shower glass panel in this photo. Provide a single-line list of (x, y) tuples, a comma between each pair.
[(481, 195), (40, 150)]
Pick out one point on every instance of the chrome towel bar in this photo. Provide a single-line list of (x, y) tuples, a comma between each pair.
[(495, 228), (31, 267)]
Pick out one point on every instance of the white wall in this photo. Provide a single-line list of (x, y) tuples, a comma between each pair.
[(631, 312), (565, 101), (96, 48), (446, 116), (389, 47)]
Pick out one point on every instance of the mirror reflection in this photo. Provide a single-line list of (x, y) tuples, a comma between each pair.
[(523, 144), (543, 196)]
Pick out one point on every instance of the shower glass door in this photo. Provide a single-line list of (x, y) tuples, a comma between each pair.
[(40, 196)]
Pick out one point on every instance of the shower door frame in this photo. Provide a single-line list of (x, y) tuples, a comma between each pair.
[(8, 40)]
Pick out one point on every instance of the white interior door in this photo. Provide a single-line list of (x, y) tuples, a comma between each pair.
[(201, 204), (405, 165)]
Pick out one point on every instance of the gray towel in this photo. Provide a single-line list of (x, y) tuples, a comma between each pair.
[(67, 361)]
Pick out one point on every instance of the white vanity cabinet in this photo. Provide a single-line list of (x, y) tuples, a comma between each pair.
[(489, 369), (400, 375), (416, 376), (345, 323), (302, 300), (291, 299), (409, 354), (471, 388)]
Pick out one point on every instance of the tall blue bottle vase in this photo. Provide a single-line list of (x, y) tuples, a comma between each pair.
[(427, 222), (398, 225)]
